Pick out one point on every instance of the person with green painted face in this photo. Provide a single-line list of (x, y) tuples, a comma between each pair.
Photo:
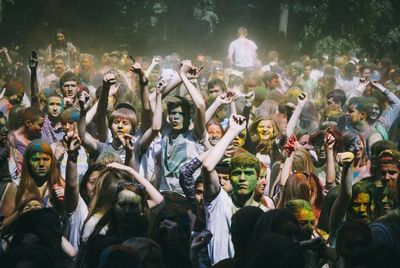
[(244, 177)]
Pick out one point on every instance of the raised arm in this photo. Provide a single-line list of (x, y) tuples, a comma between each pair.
[(154, 63), (5, 51), (33, 63), (220, 100), (394, 101), (152, 132), (301, 102), (290, 148), (87, 140), (330, 160), (71, 195), (237, 123), (155, 198), (145, 118), (109, 81), (342, 201), (198, 100)]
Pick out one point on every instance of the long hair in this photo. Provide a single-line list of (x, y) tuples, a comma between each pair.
[(28, 186), (106, 186), (110, 219), (302, 161), (302, 186), (270, 147)]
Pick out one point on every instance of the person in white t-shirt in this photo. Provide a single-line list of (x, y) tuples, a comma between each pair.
[(242, 53)]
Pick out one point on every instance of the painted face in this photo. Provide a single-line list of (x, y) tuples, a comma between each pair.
[(176, 118), (128, 209), (121, 126), (225, 182), (376, 110), (70, 89), (17, 98), (239, 140), (34, 129), (70, 127), (91, 183), (60, 37), (214, 134), (59, 65), (353, 114), (32, 205), (362, 208), (389, 194), (265, 130), (388, 172), (55, 106), (332, 102), (304, 142), (244, 180), (306, 219), (215, 91), (39, 165), (3, 128), (357, 147)]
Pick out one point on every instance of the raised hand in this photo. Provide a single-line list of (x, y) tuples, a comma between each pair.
[(329, 140), (84, 102), (345, 158), (72, 141), (33, 60), (302, 99), (290, 145), (162, 84), (127, 141), (201, 240), (155, 60), (186, 66), (237, 123), (249, 98), (137, 68), (59, 192), (114, 89), (109, 79)]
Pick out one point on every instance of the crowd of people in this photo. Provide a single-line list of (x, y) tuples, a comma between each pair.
[(121, 161)]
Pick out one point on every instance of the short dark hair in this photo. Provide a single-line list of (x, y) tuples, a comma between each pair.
[(245, 159), (68, 76), (362, 104), (216, 82), (337, 95)]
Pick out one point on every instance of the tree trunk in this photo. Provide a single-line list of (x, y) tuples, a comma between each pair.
[(283, 20)]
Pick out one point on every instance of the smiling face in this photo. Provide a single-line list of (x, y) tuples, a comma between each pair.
[(357, 147), (214, 134), (376, 110), (39, 165), (265, 130)]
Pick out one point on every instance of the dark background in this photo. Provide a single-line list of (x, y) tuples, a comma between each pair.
[(207, 26)]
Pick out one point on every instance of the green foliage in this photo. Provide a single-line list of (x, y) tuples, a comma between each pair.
[(333, 47)]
